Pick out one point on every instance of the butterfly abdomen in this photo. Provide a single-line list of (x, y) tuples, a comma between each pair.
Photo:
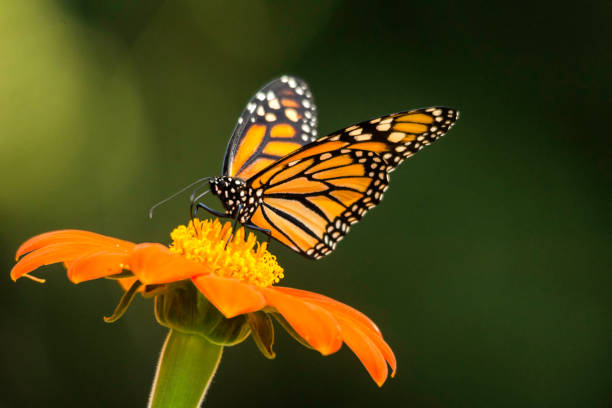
[(236, 196)]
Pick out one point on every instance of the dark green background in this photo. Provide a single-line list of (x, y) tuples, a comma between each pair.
[(487, 266)]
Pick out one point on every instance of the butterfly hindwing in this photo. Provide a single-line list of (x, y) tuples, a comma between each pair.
[(278, 120), (309, 202), (313, 195)]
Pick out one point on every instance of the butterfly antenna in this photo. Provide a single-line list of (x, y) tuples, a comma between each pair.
[(165, 200)]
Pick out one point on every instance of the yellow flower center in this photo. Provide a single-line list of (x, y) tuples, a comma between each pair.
[(205, 242)]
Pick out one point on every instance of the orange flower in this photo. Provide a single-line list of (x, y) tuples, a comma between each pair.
[(236, 278)]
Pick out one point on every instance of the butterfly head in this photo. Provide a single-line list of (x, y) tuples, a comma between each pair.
[(236, 196)]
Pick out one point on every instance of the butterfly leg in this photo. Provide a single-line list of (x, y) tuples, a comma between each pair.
[(256, 228), (234, 227), (194, 211)]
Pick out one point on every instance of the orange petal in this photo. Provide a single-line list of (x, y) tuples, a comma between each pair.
[(313, 323), (50, 254), (374, 337), (96, 265), (154, 263), (365, 349), (350, 316), (74, 236), (387, 353), (230, 296), (330, 303)]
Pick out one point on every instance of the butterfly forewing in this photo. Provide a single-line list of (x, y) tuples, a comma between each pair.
[(278, 120), (313, 195), (397, 136)]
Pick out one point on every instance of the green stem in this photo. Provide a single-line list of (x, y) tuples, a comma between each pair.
[(185, 370)]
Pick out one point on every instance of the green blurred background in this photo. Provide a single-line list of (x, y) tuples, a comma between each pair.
[(487, 266)]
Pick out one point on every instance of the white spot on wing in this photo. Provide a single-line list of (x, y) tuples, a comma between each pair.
[(396, 137), (291, 114), (363, 137), (274, 104)]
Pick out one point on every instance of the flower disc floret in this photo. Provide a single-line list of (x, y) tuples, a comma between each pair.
[(237, 256)]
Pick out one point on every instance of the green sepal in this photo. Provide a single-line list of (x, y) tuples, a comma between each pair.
[(153, 290), (281, 320), (124, 303), (183, 308), (262, 331)]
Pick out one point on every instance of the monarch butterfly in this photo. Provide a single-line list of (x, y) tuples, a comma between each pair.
[(303, 191)]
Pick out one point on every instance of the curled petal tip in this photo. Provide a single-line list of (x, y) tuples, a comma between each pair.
[(326, 350), (14, 274), (34, 278)]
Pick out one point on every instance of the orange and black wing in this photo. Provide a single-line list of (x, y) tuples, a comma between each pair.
[(309, 201), (312, 196), (397, 136), (278, 120)]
